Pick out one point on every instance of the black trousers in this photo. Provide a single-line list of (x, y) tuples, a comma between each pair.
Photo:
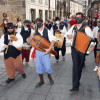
[(95, 49), (63, 49), (5, 30), (78, 60)]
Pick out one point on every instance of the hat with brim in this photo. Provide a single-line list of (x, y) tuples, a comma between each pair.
[(27, 21), (10, 25), (57, 18)]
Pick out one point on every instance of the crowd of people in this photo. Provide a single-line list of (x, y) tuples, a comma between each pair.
[(84, 32)]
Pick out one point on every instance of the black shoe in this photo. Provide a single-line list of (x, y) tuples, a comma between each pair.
[(39, 84), (79, 85), (74, 90), (9, 80), (84, 64), (63, 58), (24, 75), (52, 82), (57, 61)]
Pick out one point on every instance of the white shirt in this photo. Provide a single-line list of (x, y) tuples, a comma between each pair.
[(50, 35), (19, 31), (87, 31), (63, 31), (95, 31), (71, 32), (16, 44)]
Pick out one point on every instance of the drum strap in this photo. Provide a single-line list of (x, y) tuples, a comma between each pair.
[(81, 28), (84, 27)]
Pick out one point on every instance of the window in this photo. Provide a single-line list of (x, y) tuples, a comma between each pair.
[(40, 1), (32, 0), (40, 13), (46, 2), (33, 14)]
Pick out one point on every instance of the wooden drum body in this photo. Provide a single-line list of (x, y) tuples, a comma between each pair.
[(60, 39)]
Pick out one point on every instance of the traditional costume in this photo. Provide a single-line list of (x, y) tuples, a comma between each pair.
[(43, 61), (25, 33), (77, 56), (62, 28), (96, 50), (12, 56), (98, 56)]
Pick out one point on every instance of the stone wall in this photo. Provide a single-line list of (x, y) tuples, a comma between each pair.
[(13, 8)]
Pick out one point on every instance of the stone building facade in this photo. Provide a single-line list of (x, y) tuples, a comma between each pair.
[(40, 8), (63, 8), (75, 7), (27, 9), (93, 5), (13, 8)]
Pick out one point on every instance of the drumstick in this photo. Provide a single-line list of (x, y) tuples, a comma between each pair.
[(6, 51), (7, 48)]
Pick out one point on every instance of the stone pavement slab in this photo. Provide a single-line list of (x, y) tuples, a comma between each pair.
[(24, 89)]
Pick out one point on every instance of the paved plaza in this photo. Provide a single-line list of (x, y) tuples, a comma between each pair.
[(24, 89)]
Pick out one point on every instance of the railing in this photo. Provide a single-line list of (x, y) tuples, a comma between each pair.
[(95, 0), (32, 0)]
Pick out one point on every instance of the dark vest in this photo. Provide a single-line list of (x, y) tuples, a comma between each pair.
[(48, 26), (45, 34), (12, 51), (25, 34), (55, 27), (81, 29)]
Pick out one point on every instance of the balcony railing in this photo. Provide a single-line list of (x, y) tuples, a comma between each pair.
[(32, 0), (40, 1), (95, 0)]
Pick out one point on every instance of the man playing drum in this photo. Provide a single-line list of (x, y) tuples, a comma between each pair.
[(60, 28), (26, 31), (12, 55)]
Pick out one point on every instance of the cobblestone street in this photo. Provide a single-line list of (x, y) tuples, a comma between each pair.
[(24, 89)]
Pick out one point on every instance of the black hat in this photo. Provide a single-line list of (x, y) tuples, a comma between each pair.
[(10, 25), (27, 21), (57, 18), (39, 20)]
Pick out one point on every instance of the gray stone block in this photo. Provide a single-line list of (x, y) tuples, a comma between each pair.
[(60, 88), (55, 96)]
